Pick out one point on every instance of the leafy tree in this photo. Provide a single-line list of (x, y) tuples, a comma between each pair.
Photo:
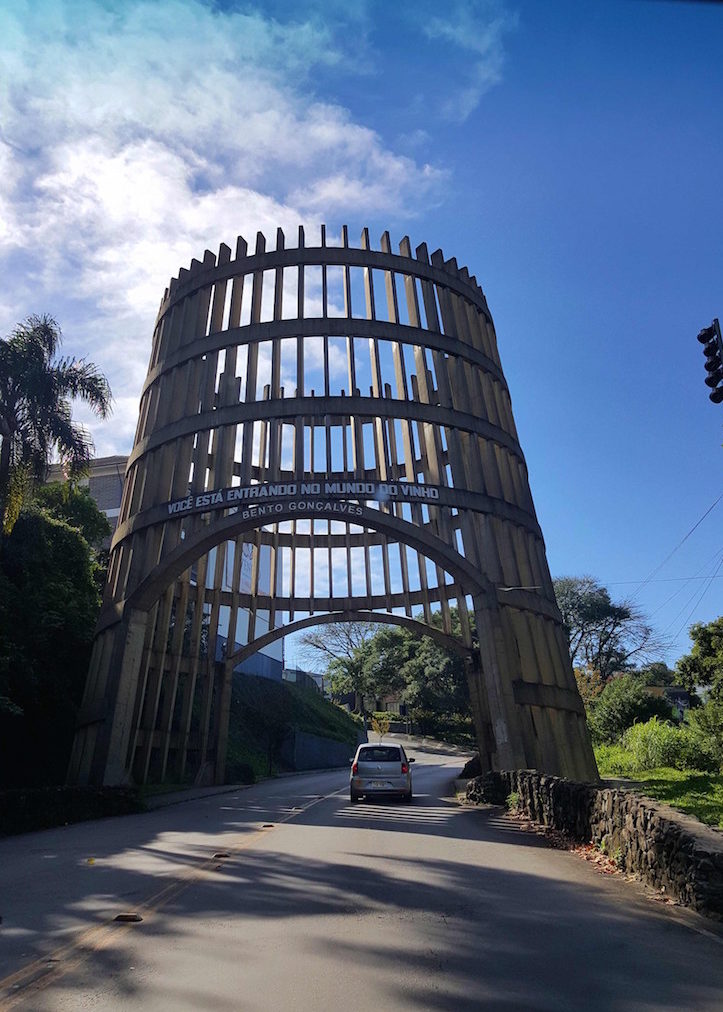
[(74, 505), (436, 679), (393, 660), (704, 664), (386, 654), (428, 677), (603, 635), (49, 603), (346, 676), (657, 673), (589, 684), (341, 646), (36, 390), (622, 703)]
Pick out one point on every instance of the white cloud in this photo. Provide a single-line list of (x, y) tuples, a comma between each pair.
[(135, 134), (478, 28)]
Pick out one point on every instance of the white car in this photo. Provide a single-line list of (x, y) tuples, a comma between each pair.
[(380, 770)]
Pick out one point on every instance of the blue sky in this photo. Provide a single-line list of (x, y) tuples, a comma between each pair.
[(569, 153)]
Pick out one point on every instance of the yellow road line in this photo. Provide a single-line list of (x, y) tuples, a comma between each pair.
[(47, 969)]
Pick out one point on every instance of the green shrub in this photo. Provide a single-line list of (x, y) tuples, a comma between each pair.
[(656, 744), (426, 720), (454, 728), (697, 752), (704, 725), (653, 744), (622, 703), (380, 724), (613, 760)]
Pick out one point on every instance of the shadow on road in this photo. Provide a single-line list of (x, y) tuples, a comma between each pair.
[(434, 816), (492, 938)]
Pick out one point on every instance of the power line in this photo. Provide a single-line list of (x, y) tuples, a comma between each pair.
[(664, 579), (697, 596), (703, 592), (620, 583), (685, 584), (649, 579)]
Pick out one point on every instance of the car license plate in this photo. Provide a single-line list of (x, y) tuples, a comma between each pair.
[(379, 783)]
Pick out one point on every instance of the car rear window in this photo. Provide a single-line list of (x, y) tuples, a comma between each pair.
[(380, 754)]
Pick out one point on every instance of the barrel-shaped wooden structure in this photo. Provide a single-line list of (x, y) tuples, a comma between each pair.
[(325, 434)]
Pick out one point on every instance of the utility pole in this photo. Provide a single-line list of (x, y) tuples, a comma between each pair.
[(710, 338)]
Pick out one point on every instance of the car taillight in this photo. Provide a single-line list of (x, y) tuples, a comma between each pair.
[(405, 768), (354, 769)]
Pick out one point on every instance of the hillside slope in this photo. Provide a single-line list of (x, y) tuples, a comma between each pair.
[(263, 713)]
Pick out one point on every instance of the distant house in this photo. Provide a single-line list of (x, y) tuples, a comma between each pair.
[(305, 679), (375, 704), (676, 695), (104, 482)]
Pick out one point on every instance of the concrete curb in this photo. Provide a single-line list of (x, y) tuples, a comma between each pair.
[(156, 801)]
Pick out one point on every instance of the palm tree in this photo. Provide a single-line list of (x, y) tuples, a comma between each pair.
[(36, 390)]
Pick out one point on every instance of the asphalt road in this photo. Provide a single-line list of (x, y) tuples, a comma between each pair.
[(321, 905)]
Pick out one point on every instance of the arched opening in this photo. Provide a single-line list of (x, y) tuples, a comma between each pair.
[(421, 628), (192, 642), (467, 654)]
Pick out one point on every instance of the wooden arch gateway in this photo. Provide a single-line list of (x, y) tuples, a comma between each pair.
[(325, 432)]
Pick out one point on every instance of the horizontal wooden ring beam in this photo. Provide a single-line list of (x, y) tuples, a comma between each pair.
[(456, 498), (331, 256), (294, 407), (325, 326)]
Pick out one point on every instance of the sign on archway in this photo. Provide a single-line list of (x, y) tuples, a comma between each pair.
[(323, 431)]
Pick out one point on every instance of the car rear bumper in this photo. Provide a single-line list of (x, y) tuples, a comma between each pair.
[(393, 787)]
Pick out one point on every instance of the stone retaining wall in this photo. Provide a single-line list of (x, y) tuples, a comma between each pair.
[(673, 852)]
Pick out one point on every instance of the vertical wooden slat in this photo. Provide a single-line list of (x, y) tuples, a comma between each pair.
[(172, 682), (252, 365), (153, 689)]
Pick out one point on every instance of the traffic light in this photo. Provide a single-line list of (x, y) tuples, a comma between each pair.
[(710, 338)]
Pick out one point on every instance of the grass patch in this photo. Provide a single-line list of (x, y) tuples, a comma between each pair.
[(613, 761), (311, 712), (699, 794), (691, 791), (262, 714)]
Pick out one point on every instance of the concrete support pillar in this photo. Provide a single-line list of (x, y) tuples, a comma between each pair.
[(109, 760), (224, 710), (503, 714), (481, 716)]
